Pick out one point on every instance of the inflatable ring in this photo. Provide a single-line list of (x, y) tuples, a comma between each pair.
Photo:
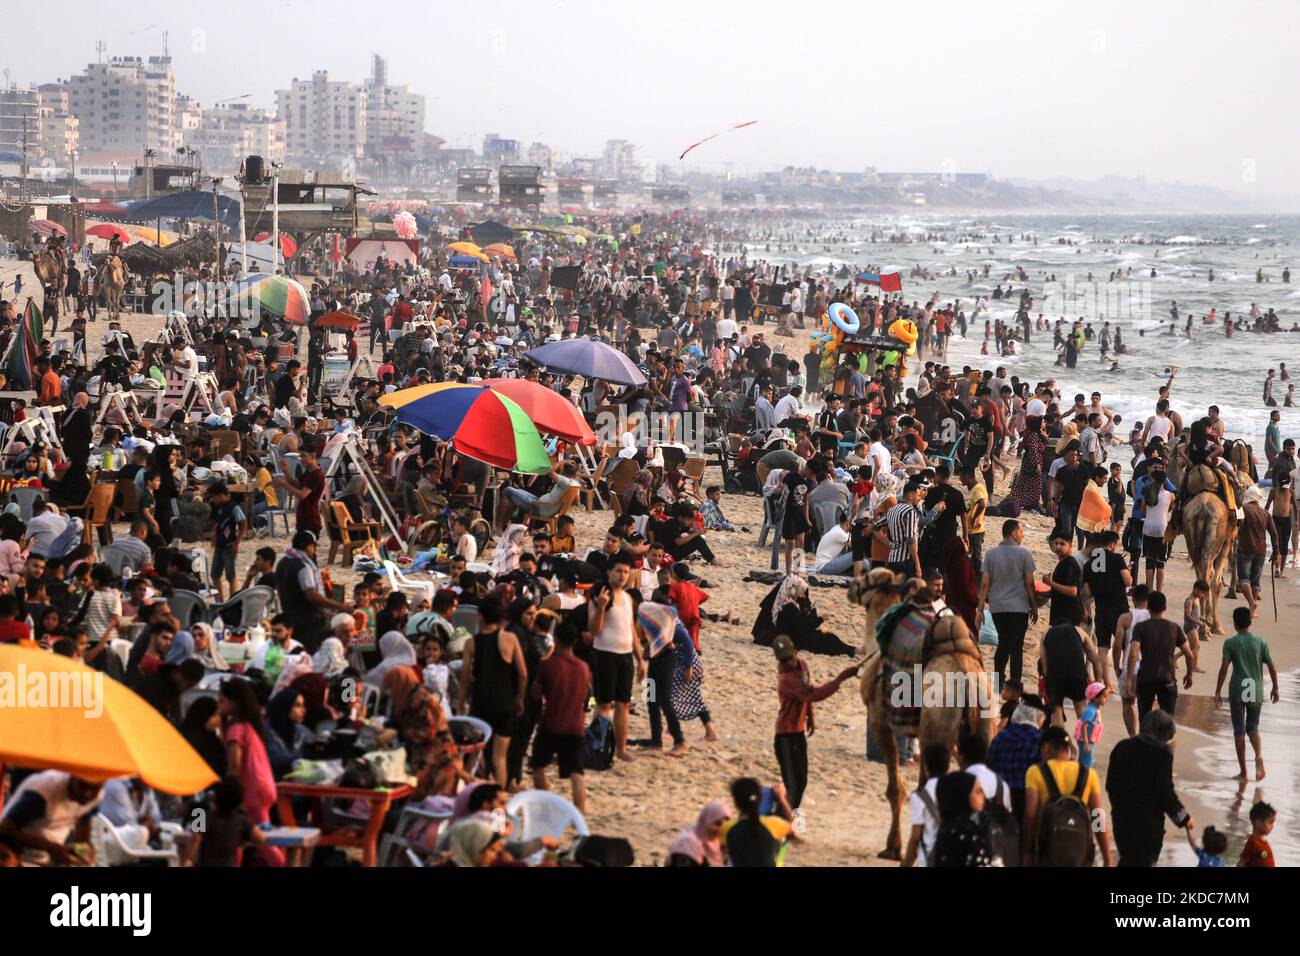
[(845, 319)]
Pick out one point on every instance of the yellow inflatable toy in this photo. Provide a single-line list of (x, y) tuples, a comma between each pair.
[(905, 331)]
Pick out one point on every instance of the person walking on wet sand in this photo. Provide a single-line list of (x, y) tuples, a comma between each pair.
[(1246, 654)]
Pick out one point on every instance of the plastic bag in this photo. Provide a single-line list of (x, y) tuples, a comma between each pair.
[(988, 633)]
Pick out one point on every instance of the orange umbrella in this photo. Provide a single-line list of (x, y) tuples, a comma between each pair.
[(500, 249), (59, 714), (339, 320)]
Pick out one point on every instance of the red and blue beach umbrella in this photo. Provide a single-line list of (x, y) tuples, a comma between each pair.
[(478, 421)]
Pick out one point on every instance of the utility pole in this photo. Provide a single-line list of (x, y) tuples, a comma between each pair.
[(216, 227), (24, 152)]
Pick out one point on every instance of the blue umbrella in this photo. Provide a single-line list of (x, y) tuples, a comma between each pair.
[(589, 359)]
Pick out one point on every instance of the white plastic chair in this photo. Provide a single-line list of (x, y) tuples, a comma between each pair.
[(399, 839), (117, 558), (188, 607), (122, 846), (26, 498), (400, 582), (252, 603), (538, 813)]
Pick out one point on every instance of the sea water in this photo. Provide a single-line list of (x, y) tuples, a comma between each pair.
[(1212, 369)]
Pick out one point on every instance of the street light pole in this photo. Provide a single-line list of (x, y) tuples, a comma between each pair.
[(275, 217)]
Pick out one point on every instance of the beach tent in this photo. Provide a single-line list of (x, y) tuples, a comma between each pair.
[(191, 204), (489, 231), (362, 253)]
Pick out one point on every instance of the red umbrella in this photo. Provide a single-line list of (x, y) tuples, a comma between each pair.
[(106, 230), (46, 228), (550, 412), (339, 320), (102, 207), (288, 245)]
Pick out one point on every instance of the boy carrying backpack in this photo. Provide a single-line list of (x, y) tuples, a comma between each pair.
[(1064, 821)]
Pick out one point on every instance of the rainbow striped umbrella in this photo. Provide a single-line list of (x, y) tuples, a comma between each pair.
[(479, 422), (279, 295)]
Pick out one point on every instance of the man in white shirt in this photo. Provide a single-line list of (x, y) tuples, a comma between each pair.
[(924, 808), (789, 405), (878, 455), (1160, 426), (186, 359), (726, 329), (831, 556), (1036, 408), (616, 657)]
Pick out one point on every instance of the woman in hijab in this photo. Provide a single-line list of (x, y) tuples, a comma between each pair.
[(960, 585), (961, 840), (1027, 486), (285, 734), (75, 431), (1140, 784), (331, 659), (396, 651), (473, 843), (700, 844), (522, 621), (315, 691), (182, 648), (431, 754), (640, 493), (205, 647), (201, 728), (163, 461), (788, 609), (505, 558)]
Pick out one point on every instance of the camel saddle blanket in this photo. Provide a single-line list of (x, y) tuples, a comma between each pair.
[(902, 636)]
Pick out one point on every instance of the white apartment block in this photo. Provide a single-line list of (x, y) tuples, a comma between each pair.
[(127, 103), (324, 120)]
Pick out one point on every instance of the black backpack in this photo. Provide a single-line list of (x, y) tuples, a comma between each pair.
[(600, 744), (1002, 829), (1064, 825)]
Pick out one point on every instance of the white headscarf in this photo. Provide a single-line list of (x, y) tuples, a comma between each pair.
[(397, 652), (506, 556), (331, 660), (792, 590)]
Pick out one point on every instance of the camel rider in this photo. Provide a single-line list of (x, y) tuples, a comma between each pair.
[(1202, 448)]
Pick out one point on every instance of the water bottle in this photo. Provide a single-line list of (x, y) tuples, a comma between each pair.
[(218, 629)]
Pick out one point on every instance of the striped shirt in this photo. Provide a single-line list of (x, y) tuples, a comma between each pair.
[(904, 524)]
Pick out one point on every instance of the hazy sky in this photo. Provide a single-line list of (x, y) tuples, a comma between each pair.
[(1198, 91)]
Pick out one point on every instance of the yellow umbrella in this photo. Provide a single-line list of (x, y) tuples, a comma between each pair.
[(468, 249), (499, 249), (160, 237), (58, 714)]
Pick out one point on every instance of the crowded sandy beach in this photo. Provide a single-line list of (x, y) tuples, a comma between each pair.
[(597, 437), (653, 400)]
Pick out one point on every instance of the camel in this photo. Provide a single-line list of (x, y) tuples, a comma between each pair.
[(952, 664), (1208, 527), (51, 267), (112, 280)]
